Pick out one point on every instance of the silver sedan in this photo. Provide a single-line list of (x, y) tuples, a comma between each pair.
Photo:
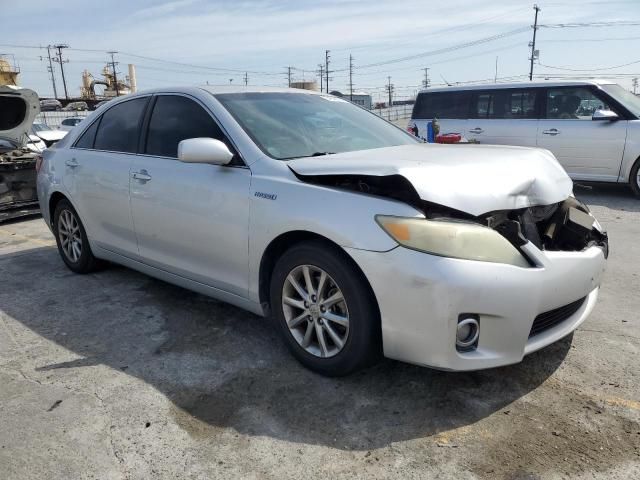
[(357, 239)]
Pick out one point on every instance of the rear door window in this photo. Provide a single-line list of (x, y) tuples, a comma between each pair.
[(443, 105), (176, 118), (120, 127), (505, 104), (88, 137)]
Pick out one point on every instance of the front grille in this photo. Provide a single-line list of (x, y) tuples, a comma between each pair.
[(551, 318)]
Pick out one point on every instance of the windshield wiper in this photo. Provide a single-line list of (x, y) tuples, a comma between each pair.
[(319, 154)]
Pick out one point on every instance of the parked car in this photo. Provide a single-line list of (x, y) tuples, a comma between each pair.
[(358, 240), (46, 133), (50, 105), (592, 127), (19, 152), (76, 107), (69, 123)]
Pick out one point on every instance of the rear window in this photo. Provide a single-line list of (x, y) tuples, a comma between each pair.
[(442, 105)]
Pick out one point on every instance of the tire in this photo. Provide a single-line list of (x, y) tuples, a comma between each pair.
[(68, 230), (634, 178), (347, 346)]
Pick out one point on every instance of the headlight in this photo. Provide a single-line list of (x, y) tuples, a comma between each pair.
[(468, 241)]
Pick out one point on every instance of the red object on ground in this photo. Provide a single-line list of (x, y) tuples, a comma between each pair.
[(448, 138)]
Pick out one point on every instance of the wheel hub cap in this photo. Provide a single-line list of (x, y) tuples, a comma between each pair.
[(315, 311), (69, 234)]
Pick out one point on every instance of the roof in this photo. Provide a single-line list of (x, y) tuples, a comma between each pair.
[(252, 89), (491, 86)]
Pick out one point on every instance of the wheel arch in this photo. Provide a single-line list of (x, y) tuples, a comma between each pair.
[(54, 199), (285, 241)]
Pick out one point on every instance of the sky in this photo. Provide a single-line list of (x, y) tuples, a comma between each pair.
[(192, 42)]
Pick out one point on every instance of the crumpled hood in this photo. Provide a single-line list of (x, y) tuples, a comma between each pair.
[(18, 109), (475, 179)]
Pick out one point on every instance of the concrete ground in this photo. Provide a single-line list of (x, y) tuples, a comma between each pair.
[(116, 375)]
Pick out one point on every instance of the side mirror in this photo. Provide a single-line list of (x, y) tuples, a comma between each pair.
[(204, 150), (605, 115)]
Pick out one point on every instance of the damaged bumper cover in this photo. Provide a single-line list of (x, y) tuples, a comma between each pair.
[(419, 325)]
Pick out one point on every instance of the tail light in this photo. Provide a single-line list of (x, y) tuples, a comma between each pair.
[(39, 160)]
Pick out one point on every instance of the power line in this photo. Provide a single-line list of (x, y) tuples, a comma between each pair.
[(589, 69), (630, 23)]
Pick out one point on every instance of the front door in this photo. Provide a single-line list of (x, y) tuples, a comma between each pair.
[(587, 149), (190, 219)]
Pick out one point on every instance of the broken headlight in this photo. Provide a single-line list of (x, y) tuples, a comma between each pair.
[(464, 240)]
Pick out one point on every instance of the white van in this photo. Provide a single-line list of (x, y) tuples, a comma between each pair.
[(592, 127)]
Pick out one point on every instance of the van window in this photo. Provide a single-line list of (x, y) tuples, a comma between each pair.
[(505, 104), (573, 103), (120, 126), (445, 105)]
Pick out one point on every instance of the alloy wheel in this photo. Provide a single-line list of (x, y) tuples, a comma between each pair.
[(315, 311), (69, 235)]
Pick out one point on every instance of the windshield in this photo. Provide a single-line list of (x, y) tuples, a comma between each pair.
[(291, 125), (626, 98)]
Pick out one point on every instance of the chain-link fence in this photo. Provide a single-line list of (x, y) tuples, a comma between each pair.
[(54, 119)]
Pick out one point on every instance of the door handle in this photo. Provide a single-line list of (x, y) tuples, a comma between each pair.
[(73, 163), (142, 175), (553, 131), (476, 130)]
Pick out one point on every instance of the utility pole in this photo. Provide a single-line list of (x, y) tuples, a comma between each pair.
[(289, 76), (534, 55), (495, 79), (246, 78), (351, 78), (53, 77), (426, 82), (326, 69), (635, 85), (59, 60), (390, 90), (321, 75), (115, 75)]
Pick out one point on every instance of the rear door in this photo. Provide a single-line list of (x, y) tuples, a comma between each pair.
[(97, 175), (451, 108), (190, 219), (504, 117), (586, 148)]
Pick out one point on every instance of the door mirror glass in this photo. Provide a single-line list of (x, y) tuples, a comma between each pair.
[(605, 115), (204, 150)]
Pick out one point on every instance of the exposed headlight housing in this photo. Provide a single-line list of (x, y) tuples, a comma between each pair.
[(453, 239)]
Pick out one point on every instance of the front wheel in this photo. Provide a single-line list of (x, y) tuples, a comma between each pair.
[(71, 239), (325, 310), (634, 178)]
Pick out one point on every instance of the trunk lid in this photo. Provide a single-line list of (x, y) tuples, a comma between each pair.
[(474, 179), (18, 110)]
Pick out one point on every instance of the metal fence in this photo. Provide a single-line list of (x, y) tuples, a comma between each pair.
[(54, 119), (397, 112)]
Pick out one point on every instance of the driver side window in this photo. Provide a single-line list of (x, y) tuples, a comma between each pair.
[(176, 118), (573, 103)]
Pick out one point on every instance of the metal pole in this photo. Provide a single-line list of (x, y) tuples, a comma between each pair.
[(53, 78), (326, 69), (246, 78), (495, 79), (533, 43), (351, 78), (321, 71), (115, 75), (64, 81), (426, 78), (289, 76)]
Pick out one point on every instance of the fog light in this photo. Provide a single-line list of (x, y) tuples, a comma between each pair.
[(467, 333)]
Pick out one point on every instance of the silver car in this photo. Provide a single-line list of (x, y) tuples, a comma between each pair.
[(358, 239)]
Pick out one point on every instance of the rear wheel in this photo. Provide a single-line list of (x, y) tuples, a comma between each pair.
[(325, 310), (634, 178), (71, 239)]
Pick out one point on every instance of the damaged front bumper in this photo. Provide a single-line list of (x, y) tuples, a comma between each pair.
[(430, 293), (18, 196)]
